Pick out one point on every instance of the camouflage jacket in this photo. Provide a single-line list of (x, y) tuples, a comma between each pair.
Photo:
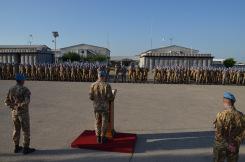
[(229, 127), (101, 93), (18, 98)]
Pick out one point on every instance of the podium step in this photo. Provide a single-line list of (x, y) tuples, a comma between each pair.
[(122, 142)]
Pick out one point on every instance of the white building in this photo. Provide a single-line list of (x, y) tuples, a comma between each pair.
[(218, 62), (174, 56), (26, 54), (124, 60), (86, 50), (57, 55)]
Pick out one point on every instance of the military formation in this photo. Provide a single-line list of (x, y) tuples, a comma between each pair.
[(87, 72), (82, 72), (132, 73), (74, 72), (199, 75)]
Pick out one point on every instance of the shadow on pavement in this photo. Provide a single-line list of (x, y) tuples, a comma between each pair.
[(147, 144), (179, 158), (67, 151), (50, 152), (174, 141), (146, 150), (65, 155)]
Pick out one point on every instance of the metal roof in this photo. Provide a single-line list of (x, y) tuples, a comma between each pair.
[(23, 46), (119, 58), (83, 45), (171, 46), (173, 55)]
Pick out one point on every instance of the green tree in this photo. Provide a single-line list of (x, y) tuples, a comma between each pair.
[(94, 58), (229, 62), (100, 58), (71, 56)]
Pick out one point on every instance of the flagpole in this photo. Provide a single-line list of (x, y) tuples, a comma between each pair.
[(151, 34)]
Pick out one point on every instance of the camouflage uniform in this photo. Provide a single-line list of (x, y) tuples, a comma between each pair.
[(101, 93), (243, 79), (117, 70), (124, 74), (4, 71), (18, 99), (1, 76), (108, 69), (229, 127)]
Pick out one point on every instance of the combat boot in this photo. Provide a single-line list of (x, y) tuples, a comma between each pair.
[(103, 140), (28, 150), (98, 139), (17, 149)]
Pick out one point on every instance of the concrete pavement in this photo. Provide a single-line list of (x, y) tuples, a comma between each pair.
[(173, 122)]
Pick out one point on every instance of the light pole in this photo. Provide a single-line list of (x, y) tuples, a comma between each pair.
[(30, 39), (55, 35)]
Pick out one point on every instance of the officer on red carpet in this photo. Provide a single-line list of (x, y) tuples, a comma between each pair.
[(101, 94)]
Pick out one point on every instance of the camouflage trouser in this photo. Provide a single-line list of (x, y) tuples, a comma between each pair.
[(222, 153), (21, 121), (101, 122), (116, 76)]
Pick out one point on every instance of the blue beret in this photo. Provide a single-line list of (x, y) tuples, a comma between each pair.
[(229, 96), (102, 74), (20, 77)]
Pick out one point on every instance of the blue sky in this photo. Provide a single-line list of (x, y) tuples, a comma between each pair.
[(212, 26)]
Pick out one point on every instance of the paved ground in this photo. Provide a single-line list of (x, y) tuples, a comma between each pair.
[(173, 122)]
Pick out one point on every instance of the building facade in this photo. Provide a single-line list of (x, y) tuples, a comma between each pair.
[(86, 50), (124, 60), (174, 56), (57, 55), (26, 54), (218, 62)]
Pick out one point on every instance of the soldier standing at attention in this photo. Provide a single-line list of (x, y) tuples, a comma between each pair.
[(18, 99), (229, 131), (101, 93)]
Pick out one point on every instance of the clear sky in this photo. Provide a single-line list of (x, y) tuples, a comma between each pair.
[(211, 26)]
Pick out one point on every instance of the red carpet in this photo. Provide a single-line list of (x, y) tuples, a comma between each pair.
[(122, 142)]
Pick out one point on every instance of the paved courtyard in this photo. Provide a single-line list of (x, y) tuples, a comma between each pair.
[(173, 122)]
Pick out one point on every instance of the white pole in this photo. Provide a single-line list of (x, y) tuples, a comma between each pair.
[(151, 34)]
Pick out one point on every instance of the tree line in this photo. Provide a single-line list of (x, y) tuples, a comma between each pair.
[(73, 56)]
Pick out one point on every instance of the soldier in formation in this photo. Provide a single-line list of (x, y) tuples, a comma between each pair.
[(199, 75), (87, 72), (130, 74), (137, 74), (82, 72)]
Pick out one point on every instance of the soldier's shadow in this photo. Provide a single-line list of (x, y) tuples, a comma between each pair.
[(174, 141)]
